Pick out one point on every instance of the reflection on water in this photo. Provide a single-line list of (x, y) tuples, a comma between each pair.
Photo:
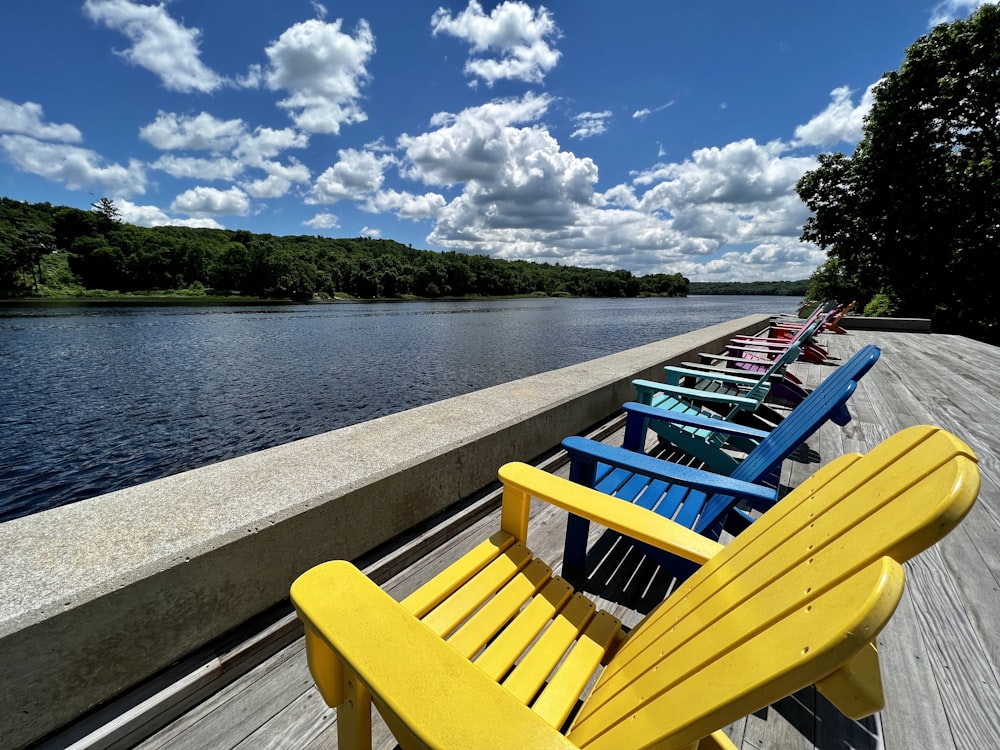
[(101, 397)]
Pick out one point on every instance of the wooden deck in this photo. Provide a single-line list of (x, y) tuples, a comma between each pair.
[(940, 653)]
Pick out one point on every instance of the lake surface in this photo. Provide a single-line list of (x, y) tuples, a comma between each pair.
[(95, 398)]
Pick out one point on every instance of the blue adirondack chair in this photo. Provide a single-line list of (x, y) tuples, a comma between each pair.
[(701, 500)]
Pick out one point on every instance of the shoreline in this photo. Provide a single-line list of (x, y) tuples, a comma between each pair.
[(237, 299)]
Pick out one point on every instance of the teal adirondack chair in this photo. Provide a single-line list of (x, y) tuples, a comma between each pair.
[(720, 394), (736, 395)]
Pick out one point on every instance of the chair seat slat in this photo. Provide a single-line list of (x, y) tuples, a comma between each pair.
[(498, 658), (533, 670), (558, 698), (498, 611), (465, 600), (432, 593)]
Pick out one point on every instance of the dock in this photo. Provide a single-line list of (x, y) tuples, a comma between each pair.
[(940, 653)]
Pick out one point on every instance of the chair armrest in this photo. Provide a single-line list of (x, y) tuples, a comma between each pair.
[(764, 339), (674, 374), (759, 346), (697, 394), (723, 357), (390, 651), (522, 482), (763, 366), (689, 419), (655, 468)]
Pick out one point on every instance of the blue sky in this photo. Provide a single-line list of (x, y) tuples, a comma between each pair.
[(656, 136)]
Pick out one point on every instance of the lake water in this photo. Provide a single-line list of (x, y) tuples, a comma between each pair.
[(95, 398)]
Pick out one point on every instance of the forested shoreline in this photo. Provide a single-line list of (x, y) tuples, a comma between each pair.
[(59, 251), (763, 288)]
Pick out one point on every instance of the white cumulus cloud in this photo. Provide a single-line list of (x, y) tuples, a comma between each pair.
[(841, 122), (153, 216), (234, 148), (789, 258), (202, 132), (323, 221), (521, 195), (159, 43), (742, 192), (192, 167), (208, 201), (518, 36), (323, 70), (266, 143), (27, 119), (73, 166), (406, 205), (355, 174), (474, 145)]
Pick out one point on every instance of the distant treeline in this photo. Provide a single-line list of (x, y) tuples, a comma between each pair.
[(773, 288), (50, 250)]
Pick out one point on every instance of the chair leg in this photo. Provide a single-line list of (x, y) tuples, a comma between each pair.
[(354, 715), (575, 546)]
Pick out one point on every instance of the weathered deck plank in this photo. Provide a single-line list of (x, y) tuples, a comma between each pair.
[(941, 652)]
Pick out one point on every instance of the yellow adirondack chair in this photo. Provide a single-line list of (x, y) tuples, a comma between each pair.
[(497, 652)]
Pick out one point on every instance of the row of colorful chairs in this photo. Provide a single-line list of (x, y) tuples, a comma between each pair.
[(500, 651)]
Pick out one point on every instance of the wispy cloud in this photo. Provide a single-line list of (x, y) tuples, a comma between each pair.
[(950, 10), (589, 124), (642, 114)]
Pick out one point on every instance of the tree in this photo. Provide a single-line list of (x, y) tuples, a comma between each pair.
[(106, 207), (914, 213)]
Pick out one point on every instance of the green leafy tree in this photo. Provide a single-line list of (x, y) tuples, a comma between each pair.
[(107, 209), (914, 213), (26, 237), (29, 244)]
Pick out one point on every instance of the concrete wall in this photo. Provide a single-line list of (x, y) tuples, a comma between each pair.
[(901, 325), (102, 594)]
